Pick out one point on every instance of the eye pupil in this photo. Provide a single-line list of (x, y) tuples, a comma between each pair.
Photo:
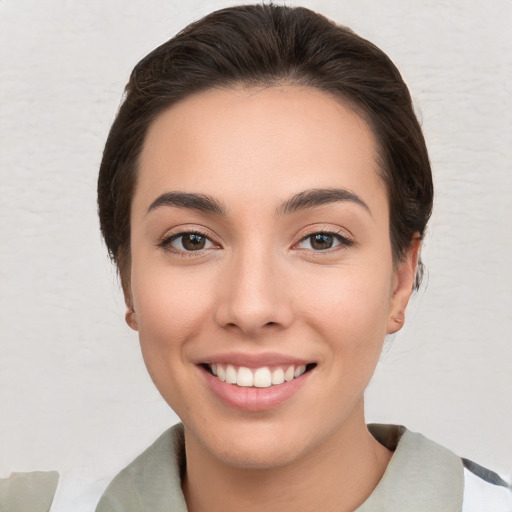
[(193, 242), (322, 241)]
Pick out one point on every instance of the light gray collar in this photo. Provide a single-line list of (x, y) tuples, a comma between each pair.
[(422, 476)]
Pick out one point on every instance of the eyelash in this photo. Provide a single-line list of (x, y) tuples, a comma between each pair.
[(343, 241), (166, 243)]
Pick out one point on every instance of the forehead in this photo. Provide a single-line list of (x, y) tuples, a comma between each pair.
[(258, 143)]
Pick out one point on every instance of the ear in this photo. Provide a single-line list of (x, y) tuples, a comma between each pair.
[(403, 283), (124, 274), (130, 316)]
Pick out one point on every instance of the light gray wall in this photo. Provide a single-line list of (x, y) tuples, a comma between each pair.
[(74, 394)]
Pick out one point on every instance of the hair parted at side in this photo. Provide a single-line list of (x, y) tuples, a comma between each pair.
[(265, 45)]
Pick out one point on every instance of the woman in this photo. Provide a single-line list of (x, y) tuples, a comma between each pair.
[(264, 191)]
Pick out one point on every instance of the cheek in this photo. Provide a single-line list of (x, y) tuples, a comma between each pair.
[(170, 308), (353, 303), (170, 312)]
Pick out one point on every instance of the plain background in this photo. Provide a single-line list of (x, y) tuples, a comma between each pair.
[(74, 393)]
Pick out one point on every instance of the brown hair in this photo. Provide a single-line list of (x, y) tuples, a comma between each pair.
[(264, 45)]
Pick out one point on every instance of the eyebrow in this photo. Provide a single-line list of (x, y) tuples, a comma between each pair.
[(302, 201), (200, 202), (318, 197)]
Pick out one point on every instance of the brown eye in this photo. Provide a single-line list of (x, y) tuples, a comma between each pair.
[(193, 242), (324, 241), (188, 242)]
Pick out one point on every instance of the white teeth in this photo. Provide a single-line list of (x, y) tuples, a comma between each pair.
[(278, 376), (230, 374), (300, 370), (245, 378), (262, 378), (289, 374), (221, 373)]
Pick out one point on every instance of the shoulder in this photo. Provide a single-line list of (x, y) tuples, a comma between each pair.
[(152, 481), (32, 491), (423, 475)]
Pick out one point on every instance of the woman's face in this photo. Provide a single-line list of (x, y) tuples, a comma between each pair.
[(260, 250)]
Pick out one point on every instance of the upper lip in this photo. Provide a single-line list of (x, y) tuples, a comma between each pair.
[(254, 360)]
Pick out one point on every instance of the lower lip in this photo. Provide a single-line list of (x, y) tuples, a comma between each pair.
[(251, 398)]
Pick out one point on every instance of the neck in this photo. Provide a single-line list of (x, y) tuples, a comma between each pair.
[(337, 475)]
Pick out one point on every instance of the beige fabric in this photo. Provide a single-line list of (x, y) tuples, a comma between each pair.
[(421, 477), (152, 482), (28, 492)]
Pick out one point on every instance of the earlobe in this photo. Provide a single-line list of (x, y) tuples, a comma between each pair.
[(124, 273), (403, 283), (131, 318), (396, 322)]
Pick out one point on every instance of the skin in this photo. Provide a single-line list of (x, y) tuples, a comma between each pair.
[(259, 286)]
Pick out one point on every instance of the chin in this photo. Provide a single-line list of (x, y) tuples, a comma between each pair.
[(256, 445), (258, 455)]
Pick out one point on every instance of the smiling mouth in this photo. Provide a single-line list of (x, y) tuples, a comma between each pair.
[(262, 377)]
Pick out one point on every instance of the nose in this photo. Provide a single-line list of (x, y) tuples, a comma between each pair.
[(254, 295)]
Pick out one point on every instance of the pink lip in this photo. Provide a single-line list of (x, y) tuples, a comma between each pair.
[(253, 399)]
